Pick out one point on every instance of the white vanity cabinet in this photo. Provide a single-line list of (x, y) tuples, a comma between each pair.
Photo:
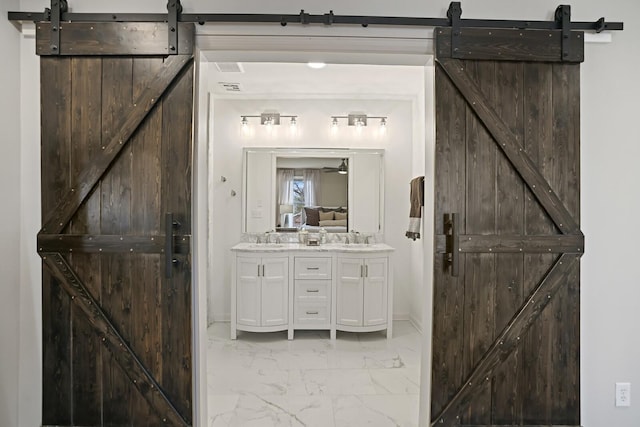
[(260, 302), (334, 287), (362, 293)]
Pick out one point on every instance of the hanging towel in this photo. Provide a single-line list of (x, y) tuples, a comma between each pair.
[(416, 197)]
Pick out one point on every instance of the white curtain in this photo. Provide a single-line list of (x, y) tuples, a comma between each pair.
[(285, 186), (311, 186), (284, 178)]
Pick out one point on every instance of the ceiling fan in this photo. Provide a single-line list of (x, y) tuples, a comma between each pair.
[(342, 169)]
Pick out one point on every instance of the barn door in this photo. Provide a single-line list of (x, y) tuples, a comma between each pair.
[(506, 298), (116, 208)]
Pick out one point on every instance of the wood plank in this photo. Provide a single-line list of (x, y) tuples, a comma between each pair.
[(55, 132), (56, 353), (114, 38), (55, 179), (115, 219), (528, 244), (86, 138), (538, 141), (479, 300), (110, 337), (176, 198), (509, 339), (565, 178), (508, 143), (447, 358), (509, 45), (146, 214), (509, 286), (86, 95), (59, 217), (106, 244), (116, 303)]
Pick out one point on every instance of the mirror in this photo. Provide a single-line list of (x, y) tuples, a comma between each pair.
[(335, 189), (307, 186)]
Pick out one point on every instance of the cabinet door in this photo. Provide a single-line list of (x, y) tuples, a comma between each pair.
[(349, 292), (275, 291), (248, 291), (365, 207), (375, 291), (259, 195)]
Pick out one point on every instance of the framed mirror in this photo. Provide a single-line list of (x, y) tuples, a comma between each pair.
[(338, 190)]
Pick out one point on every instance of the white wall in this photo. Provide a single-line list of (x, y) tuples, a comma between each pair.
[(610, 288), (313, 131), (9, 218)]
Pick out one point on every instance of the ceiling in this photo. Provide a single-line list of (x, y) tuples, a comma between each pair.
[(255, 79)]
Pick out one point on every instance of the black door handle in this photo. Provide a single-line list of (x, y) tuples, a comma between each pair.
[(169, 259), (452, 254)]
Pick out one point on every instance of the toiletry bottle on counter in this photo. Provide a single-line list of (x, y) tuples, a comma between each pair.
[(322, 235), (302, 236)]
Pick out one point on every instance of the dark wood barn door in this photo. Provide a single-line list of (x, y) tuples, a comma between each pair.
[(116, 208), (506, 280)]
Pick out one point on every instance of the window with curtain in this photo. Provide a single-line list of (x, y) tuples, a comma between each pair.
[(285, 182), (296, 189)]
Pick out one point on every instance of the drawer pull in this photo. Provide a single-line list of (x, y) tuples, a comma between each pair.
[(313, 290), (312, 312), (313, 268)]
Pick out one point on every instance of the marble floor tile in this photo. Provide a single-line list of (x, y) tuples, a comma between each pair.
[(356, 380)]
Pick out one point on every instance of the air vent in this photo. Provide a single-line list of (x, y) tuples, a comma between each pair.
[(229, 67), (230, 87)]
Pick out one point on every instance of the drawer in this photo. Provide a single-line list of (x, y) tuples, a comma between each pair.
[(307, 290), (311, 313), (312, 268)]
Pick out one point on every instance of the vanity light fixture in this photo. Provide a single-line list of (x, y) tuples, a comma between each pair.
[(269, 119), (358, 120)]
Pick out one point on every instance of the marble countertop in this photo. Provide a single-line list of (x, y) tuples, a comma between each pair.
[(327, 247)]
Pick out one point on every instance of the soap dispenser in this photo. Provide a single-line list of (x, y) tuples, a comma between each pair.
[(322, 235)]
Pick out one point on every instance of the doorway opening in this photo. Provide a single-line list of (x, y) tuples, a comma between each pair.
[(271, 373)]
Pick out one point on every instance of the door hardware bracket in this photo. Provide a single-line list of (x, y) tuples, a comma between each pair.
[(563, 18), (58, 7), (454, 14), (174, 9)]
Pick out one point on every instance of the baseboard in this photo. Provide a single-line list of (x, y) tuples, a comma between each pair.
[(401, 316), (416, 323), (221, 318)]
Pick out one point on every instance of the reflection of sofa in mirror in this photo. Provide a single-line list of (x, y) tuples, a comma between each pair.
[(331, 219), (279, 179)]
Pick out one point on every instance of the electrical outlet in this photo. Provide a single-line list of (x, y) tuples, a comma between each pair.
[(623, 394)]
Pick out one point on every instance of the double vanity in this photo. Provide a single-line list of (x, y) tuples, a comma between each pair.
[(292, 286)]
